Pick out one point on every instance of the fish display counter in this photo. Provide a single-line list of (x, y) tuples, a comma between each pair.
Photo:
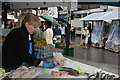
[(84, 71), (68, 68)]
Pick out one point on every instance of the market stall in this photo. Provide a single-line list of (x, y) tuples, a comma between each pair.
[(100, 34), (113, 41), (103, 33), (68, 69), (86, 70), (74, 69)]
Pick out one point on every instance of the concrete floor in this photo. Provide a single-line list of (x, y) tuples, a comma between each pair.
[(96, 57)]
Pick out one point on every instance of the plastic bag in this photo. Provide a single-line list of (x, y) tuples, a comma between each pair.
[(83, 36), (60, 58), (113, 42)]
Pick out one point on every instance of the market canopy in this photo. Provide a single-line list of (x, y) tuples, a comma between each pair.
[(51, 19), (111, 15), (62, 19)]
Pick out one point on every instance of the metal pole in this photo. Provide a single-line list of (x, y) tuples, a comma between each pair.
[(68, 30), (58, 14), (4, 14)]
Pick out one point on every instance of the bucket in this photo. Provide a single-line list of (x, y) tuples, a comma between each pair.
[(58, 44), (71, 52)]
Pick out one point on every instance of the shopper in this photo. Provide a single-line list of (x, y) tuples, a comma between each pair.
[(48, 33), (16, 47), (62, 33), (86, 34), (72, 32), (90, 31), (57, 33)]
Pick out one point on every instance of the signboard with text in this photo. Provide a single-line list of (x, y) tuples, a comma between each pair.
[(74, 5), (53, 12)]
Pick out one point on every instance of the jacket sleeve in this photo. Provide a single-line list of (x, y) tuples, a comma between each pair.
[(21, 48)]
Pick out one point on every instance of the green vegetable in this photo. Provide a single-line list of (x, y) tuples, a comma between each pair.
[(94, 72), (3, 71), (79, 69)]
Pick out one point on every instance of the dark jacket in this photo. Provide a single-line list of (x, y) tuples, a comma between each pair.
[(15, 49), (57, 31)]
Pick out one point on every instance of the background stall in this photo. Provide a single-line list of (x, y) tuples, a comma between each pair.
[(103, 31)]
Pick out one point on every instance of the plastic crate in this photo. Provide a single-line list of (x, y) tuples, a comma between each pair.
[(71, 52), (58, 50), (43, 51)]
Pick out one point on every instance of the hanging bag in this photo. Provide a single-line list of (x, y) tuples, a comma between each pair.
[(83, 36)]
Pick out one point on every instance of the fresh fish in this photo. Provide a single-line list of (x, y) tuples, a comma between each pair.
[(70, 71)]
